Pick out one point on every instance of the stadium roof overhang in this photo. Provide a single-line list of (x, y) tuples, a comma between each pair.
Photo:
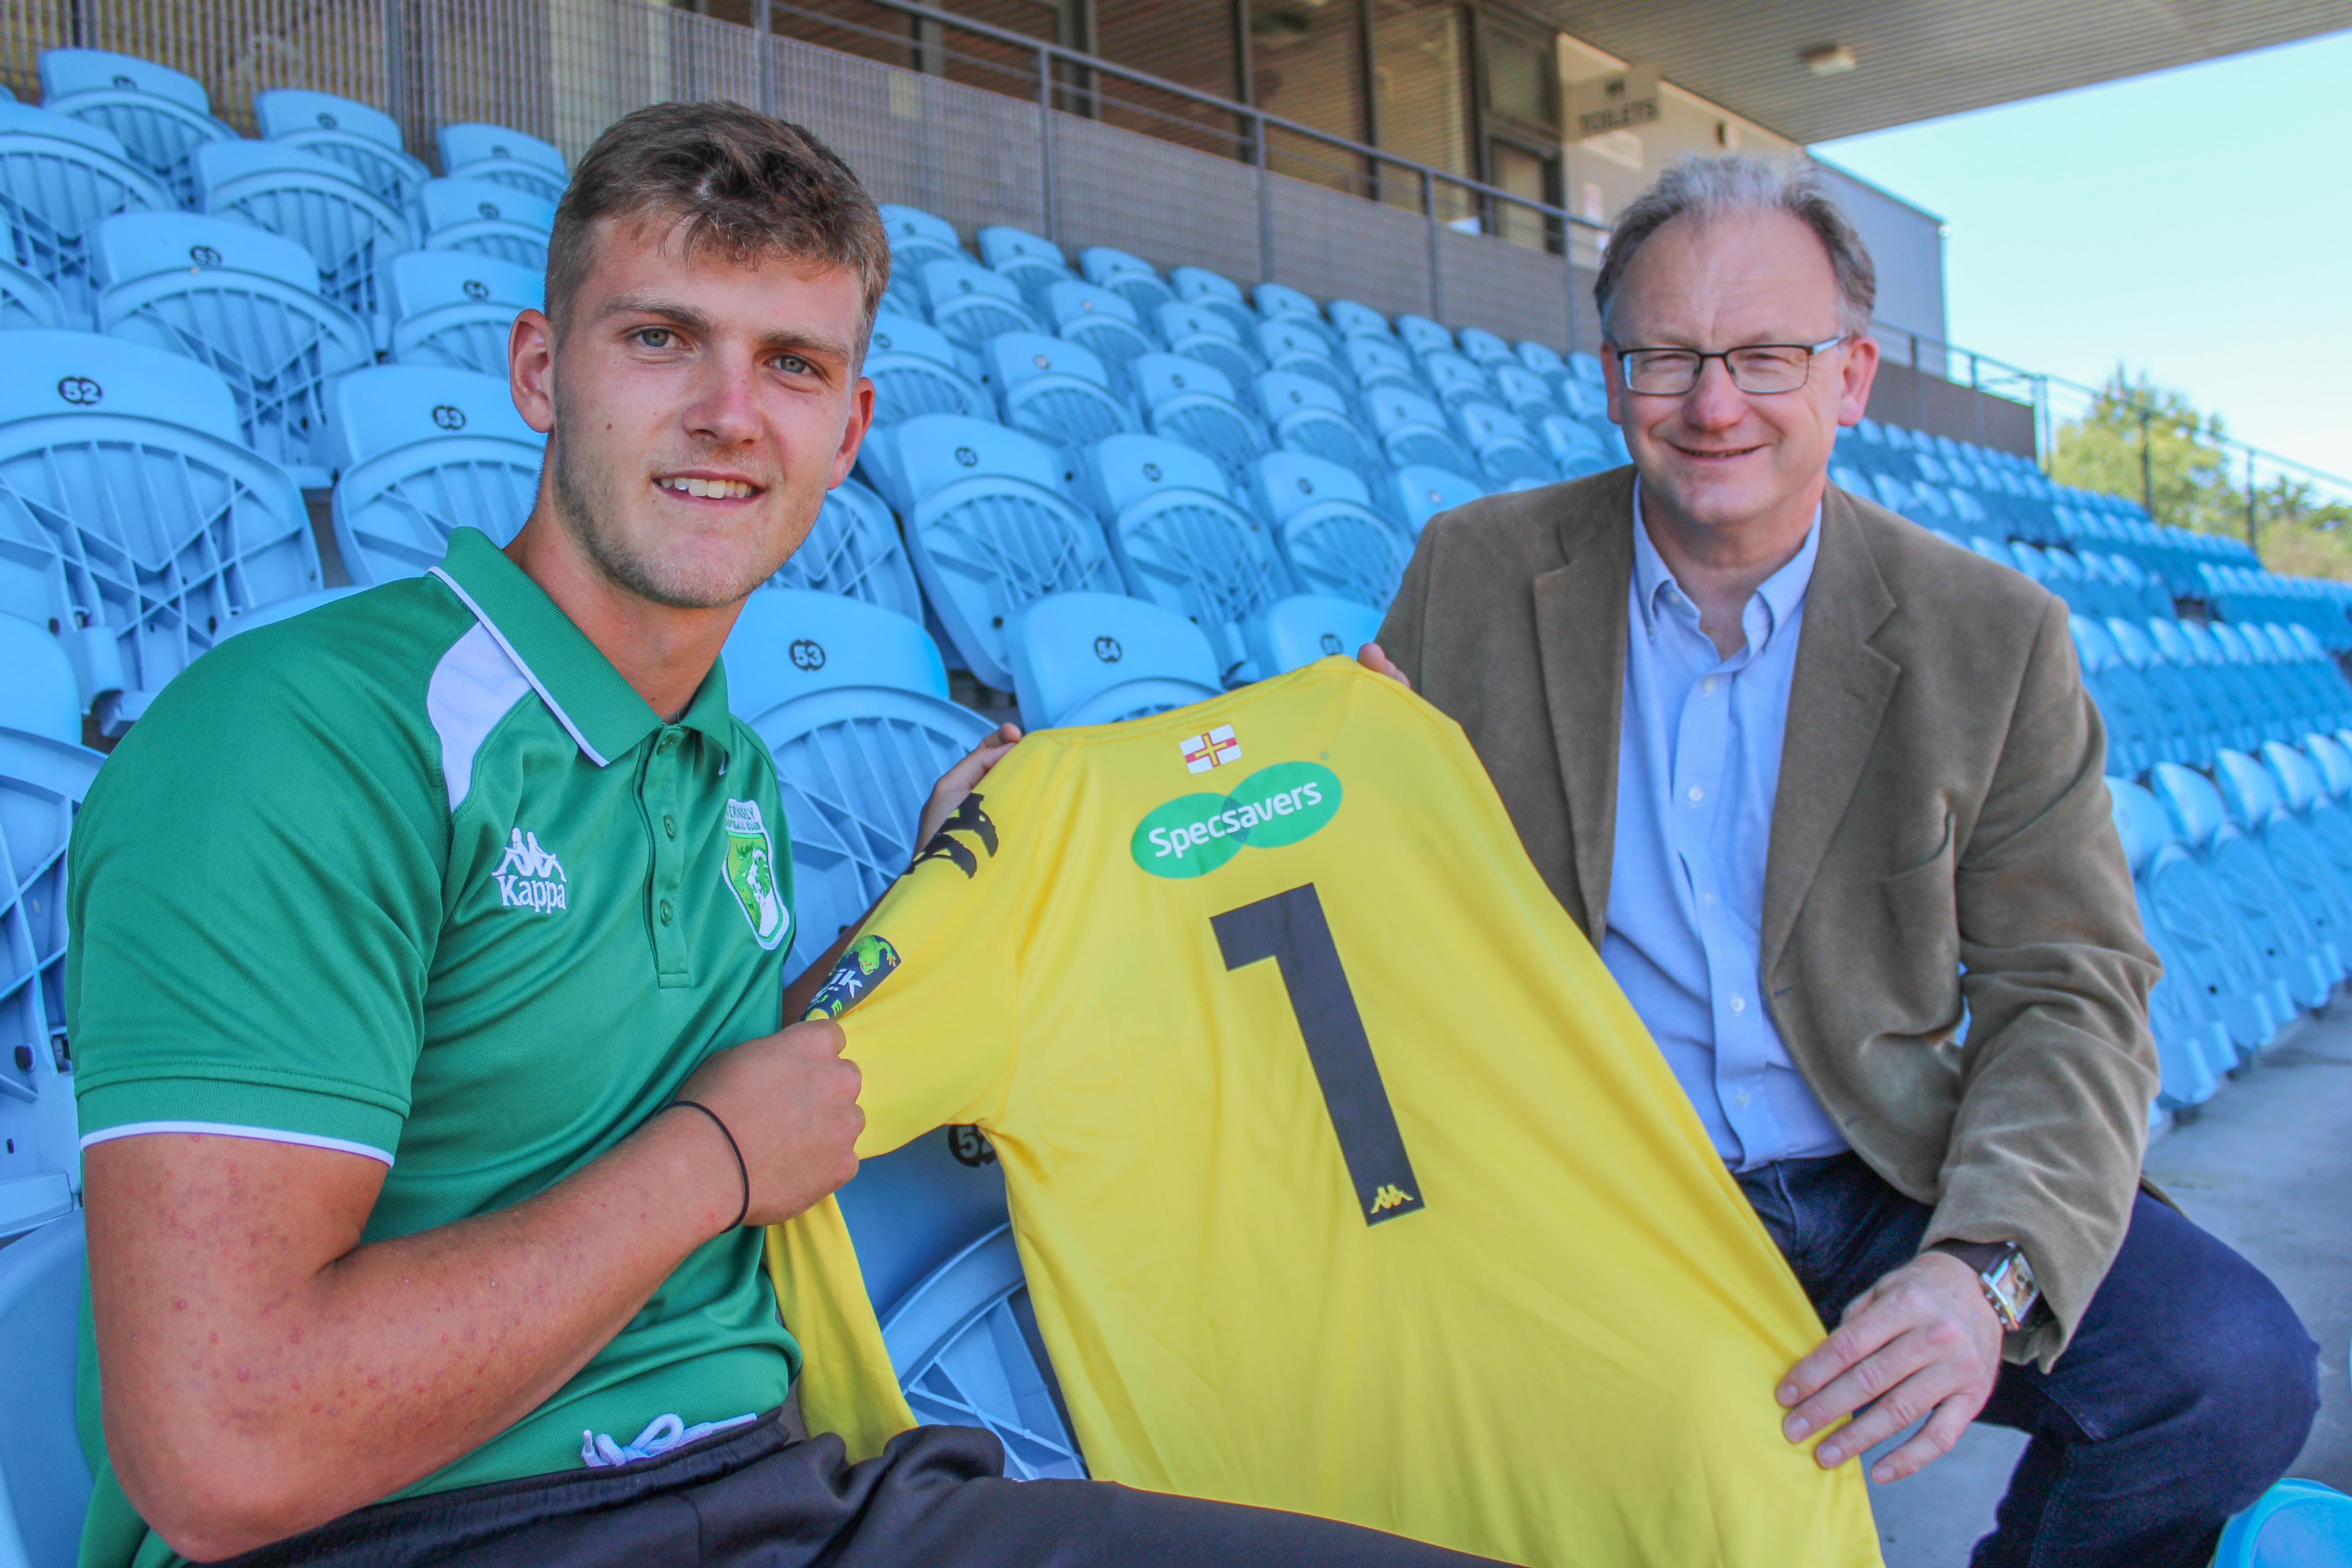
[(1916, 62)]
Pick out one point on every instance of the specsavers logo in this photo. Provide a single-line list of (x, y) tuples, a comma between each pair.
[(1193, 834)]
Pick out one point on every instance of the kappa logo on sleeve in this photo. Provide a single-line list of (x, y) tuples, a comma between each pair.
[(866, 963), (969, 821), (530, 878)]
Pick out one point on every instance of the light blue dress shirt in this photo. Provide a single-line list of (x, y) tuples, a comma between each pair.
[(1699, 765)]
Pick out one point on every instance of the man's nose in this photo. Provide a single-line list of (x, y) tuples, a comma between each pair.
[(725, 407), (1714, 403)]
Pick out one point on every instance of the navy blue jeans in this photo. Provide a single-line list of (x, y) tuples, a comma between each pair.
[(2186, 1390)]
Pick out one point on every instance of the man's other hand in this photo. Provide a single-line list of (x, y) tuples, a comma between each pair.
[(1922, 1340), (961, 780), (1372, 659), (791, 1102)]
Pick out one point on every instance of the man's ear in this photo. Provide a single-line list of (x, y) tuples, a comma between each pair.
[(1854, 380), (530, 370), (853, 432), (1612, 377)]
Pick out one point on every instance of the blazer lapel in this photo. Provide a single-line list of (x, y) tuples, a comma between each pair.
[(1836, 699), (1580, 647)]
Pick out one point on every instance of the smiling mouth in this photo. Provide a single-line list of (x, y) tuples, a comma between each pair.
[(708, 490), (1706, 455)]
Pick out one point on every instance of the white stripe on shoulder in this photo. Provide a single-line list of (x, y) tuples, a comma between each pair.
[(475, 685), (229, 1130), (545, 696)]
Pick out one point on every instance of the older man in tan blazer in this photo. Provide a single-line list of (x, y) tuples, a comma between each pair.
[(1826, 791)]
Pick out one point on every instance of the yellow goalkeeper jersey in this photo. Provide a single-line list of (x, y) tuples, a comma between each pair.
[(1345, 1179)]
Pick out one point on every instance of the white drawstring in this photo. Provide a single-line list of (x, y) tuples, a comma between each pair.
[(660, 1435)]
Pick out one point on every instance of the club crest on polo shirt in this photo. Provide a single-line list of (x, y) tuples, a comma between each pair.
[(529, 876), (751, 872)]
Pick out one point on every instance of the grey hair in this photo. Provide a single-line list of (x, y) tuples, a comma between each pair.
[(1710, 188)]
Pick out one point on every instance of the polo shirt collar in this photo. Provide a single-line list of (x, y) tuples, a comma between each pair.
[(600, 710), (1781, 593)]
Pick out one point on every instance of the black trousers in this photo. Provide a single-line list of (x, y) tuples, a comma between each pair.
[(2186, 1390), (754, 1497)]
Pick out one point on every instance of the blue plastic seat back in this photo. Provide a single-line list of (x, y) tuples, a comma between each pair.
[(2335, 762), (1071, 300), (457, 308), (1282, 393), (1193, 403), (965, 1346), (142, 244), (991, 529), (161, 116), (313, 201), (2247, 791), (1097, 658), (912, 1209), (384, 408), (453, 203), (42, 782), (2196, 806), (41, 696), (278, 610), (1001, 243), (1376, 362), (1540, 358), (1524, 391), (1506, 451), (363, 140), (1394, 408), (26, 299), (971, 304), (424, 451), (1161, 378), (1485, 348), (1423, 336), (1356, 321), (2140, 821), (1182, 540), (1130, 277), (1278, 301), (1114, 339), (43, 1477), (59, 179), (1014, 358), (1183, 319), (1305, 627), (915, 370), (1422, 492), (2296, 776), (917, 230), (131, 514), (468, 144), (1346, 550), (2133, 645), (1054, 390), (1286, 337), (1199, 283), (791, 643), (2295, 1524), (854, 550), (1282, 483)]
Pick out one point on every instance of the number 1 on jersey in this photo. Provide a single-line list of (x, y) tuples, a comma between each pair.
[(1289, 927)]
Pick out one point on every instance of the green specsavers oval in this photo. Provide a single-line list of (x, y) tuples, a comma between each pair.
[(1193, 834)]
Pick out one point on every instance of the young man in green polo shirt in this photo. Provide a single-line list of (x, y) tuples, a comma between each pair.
[(425, 982)]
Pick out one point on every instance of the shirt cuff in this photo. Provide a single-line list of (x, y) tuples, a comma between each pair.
[(273, 1113)]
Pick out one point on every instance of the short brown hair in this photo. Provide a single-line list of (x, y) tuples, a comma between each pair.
[(743, 183)]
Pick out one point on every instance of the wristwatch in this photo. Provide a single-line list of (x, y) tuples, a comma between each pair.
[(2004, 1276)]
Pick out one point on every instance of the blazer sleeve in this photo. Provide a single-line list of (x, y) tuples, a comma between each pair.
[(1401, 635), (2059, 1066)]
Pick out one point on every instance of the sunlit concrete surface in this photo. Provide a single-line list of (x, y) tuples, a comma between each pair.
[(2267, 1167)]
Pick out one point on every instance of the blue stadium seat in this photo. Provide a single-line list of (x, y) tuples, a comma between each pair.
[(1507, 454), (1540, 358), (1104, 324), (1301, 347), (1310, 416), (1031, 260), (1097, 658), (1305, 627), (44, 1482), (421, 451), (852, 700), (42, 782), (971, 304), (473, 151), (364, 139), (1375, 363), (486, 219), (991, 525), (1575, 450), (1215, 293), (1455, 379), (1130, 277), (451, 308), (41, 696), (2188, 913), (59, 179), (854, 550), (1193, 403), (2133, 724), (917, 237), (1351, 320), (1418, 493), (278, 610), (2295, 1524), (133, 519), (1426, 337), (2192, 1044), (1182, 542), (313, 201), (161, 116), (2176, 721), (1279, 303), (912, 1209), (915, 370), (1331, 539), (26, 299), (244, 301), (965, 1347), (2258, 900), (2301, 857), (1482, 347), (1191, 327), (1054, 390), (1412, 429), (1523, 391)]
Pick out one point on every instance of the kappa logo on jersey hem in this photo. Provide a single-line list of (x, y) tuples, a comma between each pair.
[(944, 845), (1193, 834), (866, 963), (530, 878)]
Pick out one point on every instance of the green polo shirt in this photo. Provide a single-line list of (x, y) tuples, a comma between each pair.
[(419, 877)]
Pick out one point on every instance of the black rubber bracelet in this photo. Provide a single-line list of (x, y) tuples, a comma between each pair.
[(734, 1148)]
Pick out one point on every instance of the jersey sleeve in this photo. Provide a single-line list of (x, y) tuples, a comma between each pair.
[(254, 897), (928, 993)]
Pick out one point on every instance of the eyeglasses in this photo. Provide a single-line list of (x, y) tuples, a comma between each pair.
[(1758, 368)]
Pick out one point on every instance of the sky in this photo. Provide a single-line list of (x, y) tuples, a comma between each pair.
[(2196, 223)]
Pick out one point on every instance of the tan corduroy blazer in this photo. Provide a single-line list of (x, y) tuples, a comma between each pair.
[(1940, 806)]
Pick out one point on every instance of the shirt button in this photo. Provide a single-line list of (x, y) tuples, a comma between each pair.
[(669, 825), (664, 912), (1739, 1004), (669, 743), (1708, 686), (1696, 793), (1707, 899), (1742, 1098)]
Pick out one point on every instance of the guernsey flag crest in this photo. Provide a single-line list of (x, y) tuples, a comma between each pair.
[(1214, 749)]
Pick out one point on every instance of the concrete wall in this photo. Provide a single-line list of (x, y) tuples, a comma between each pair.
[(1907, 244)]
